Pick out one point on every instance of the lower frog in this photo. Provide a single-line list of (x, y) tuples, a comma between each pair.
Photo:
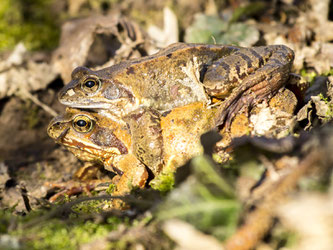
[(120, 146), (95, 138), (182, 74)]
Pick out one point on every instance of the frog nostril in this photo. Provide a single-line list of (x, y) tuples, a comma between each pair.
[(70, 93)]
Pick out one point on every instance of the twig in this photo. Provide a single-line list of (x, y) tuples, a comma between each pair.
[(35, 100), (259, 222)]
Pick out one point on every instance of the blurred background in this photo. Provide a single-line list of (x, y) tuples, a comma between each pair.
[(42, 41)]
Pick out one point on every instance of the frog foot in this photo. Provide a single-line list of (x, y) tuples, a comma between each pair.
[(232, 107), (72, 187)]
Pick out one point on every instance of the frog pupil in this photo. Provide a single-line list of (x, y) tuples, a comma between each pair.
[(90, 84), (81, 123)]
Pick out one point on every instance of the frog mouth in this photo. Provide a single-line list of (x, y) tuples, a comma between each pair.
[(61, 139), (85, 146), (90, 105), (112, 110)]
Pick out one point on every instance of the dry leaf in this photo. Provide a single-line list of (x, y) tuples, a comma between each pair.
[(95, 42), (21, 74), (169, 34), (311, 216), (187, 237)]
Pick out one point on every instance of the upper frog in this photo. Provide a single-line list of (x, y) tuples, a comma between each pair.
[(182, 74)]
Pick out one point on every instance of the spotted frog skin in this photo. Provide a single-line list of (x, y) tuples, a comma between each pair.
[(181, 74), (169, 140)]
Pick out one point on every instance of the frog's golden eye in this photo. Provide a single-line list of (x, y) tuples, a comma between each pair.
[(91, 85), (83, 124)]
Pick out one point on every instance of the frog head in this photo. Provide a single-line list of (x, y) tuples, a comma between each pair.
[(97, 90), (89, 136)]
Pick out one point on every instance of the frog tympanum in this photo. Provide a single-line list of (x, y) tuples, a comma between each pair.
[(181, 74), (144, 115)]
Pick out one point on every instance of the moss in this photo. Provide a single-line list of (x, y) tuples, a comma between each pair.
[(248, 10), (328, 73), (32, 116), (308, 75), (323, 98), (89, 207), (56, 233), (5, 220), (329, 114), (110, 189), (59, 235), (29, 21), (165, 181)]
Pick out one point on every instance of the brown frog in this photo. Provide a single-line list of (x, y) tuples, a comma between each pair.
[(99, 139), (144, 143), (182, 74)]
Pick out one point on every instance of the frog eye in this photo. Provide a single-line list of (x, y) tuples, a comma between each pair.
[(91, 85), (83, 124)]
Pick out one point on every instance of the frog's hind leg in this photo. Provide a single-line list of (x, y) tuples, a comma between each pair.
[(240, 99), (256, 87)]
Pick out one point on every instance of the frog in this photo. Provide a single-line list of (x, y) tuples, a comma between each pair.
[(229, 76), (126, 146), (100, 140)]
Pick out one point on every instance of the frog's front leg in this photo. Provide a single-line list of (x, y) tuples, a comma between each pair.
[(147, 141), (132, 173), (247, 77)]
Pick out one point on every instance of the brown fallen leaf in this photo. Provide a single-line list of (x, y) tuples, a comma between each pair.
[(169, 34), (97, 42), (21, 74)]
